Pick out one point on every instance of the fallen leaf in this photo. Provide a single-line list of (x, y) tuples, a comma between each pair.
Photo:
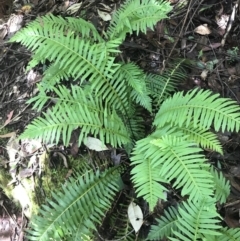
[(9, 117), (135, 216), (202, 29), (95, 144), (104, 16), (74, 8)]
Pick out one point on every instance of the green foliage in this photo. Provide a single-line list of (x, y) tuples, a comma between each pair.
[(189, 222), (106, 89), (233, 54), (136, 16), (202, 108), (108, 101), (79, 207)]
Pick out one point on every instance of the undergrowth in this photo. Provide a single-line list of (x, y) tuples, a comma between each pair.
[(108, 103)]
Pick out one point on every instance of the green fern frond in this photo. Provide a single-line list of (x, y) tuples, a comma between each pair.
[(79, 57), (162, 86), (196, 220), (76, 26), (222, 186), (206, 139), (91, 195), (135, 78), (120, 223), (145, 174), (181, 161), (170, 158), (165, 225), (232, 234), (188, 222), (202, 108), (76, 109), (147, 183), (137, 16)]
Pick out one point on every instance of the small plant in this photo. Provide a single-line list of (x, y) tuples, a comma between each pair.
[(233, 54), (108, 103)]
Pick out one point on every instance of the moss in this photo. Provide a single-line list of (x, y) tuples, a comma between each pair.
[(5, 178)]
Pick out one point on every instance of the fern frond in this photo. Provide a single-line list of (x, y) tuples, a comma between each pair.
[(136, 15), (189, 222), (147, 182), (197, 220), (76, 26), (77, 109), (181, 161), (202, 108), (162, 86), (170, 158), (165, 225), (231, 234), (222, 186), (146, 178), (91, 195), (135, 78), (120, 222), (80, 58), (206, 139)]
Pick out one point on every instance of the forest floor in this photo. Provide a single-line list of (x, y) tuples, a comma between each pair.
[(204, 31)]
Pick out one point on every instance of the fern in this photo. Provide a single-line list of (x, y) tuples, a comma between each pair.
[(202, 108), (165, 225), (90, 194), (77, 56), (226, 235), (222, 186), (162, 86), (108, 101), (190, 222), (137, 16), (119, 221), (77, 109), (171, 158), (206, 139)]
